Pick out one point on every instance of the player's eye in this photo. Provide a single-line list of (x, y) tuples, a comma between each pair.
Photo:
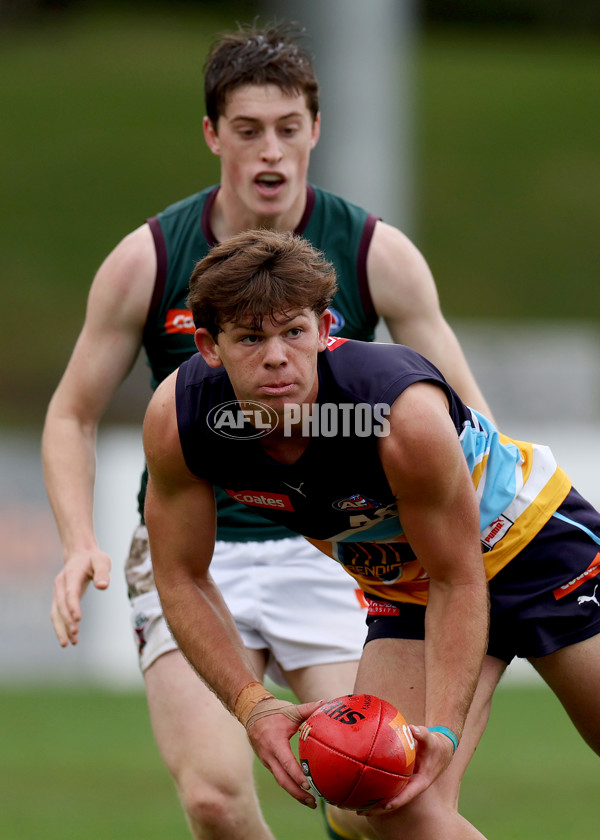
[(247, 133), (249, 339), (295, 332)]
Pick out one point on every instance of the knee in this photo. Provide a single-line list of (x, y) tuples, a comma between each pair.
[(216, 807), (423, 818)]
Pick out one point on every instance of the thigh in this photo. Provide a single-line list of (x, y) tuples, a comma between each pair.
[(573, 673), (196, 735), (322, 682), (394, 669)]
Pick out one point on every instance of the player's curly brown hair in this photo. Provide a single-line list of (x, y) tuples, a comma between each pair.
[(259, 56), (259, 274)]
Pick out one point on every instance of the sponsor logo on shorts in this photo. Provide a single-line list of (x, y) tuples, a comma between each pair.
[(337, 321), (180, 321), (498, 529), (591, 572), (356, 502), (382, 608), (585, 599), (254, 498)]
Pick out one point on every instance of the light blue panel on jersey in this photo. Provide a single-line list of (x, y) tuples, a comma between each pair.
[(498, 484)]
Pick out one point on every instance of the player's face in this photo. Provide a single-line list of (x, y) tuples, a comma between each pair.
[(264, 140), (275, 365)]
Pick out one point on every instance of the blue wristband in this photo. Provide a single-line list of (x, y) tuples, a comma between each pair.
[(448, 733)]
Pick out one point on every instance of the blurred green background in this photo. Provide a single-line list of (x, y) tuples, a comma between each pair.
[(101, 109)]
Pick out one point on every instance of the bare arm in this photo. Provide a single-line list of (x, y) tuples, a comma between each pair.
[(104, 354), (439, 512), (180, 513), (405, 296)]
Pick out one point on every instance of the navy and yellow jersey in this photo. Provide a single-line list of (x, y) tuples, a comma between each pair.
[(183, 236), (337, 495)]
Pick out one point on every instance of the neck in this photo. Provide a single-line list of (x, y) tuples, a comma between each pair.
[(286, 450), (229, 216)]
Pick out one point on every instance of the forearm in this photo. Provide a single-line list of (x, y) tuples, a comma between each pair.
[(456, 632), (69, 463)]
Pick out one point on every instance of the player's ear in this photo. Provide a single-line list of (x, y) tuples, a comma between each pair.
[(316, 130), (324, 327), (211, 136), (208, 347)]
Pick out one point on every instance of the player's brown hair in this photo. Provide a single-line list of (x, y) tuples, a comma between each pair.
[(259, 56), (259, 274)]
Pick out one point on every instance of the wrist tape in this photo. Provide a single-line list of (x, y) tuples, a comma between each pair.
[(273, 706), (247, 699)]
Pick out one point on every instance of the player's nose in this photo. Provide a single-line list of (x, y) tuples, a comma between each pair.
[(275, 352), (271, 148)]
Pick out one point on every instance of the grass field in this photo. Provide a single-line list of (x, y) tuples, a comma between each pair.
[(82, 764), (104, 129)]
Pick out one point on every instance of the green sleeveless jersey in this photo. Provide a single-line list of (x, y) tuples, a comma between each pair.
[(182, 236)]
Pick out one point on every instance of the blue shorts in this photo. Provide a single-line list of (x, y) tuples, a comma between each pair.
[(546, 598)]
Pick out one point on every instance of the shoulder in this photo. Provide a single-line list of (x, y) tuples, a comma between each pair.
[(167, 466), (189, 204), (124, 283), (330, 209), (160, 422), (422, 441), (389, 357), (371, 371), (392, 250), (401, 284)]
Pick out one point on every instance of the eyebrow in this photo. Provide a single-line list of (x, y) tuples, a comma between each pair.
[(238, 325), (243, 118)]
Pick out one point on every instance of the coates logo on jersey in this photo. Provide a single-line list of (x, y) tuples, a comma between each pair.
[(254, 498), (337, 321), (180, 321), (356, 502)]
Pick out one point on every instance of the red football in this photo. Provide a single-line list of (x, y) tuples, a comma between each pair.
[(356, 751)]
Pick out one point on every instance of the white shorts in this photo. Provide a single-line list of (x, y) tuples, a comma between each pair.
[(285, 596)]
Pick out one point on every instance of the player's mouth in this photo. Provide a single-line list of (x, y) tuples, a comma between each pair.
[(280, 390), (269, 183)]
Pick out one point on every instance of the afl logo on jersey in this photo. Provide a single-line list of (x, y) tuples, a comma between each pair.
[(355, 502), (337, 321)]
